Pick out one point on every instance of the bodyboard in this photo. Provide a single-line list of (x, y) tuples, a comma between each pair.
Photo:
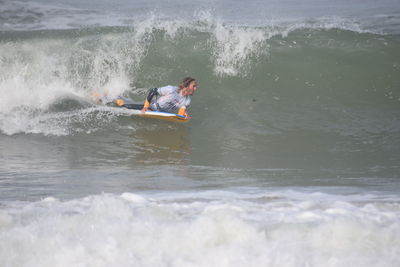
[(160, 115), (135, 109)]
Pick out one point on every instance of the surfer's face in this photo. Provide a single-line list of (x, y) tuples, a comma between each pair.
[(190, 89)]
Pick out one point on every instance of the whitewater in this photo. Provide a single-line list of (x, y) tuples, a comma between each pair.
[(291, 157)]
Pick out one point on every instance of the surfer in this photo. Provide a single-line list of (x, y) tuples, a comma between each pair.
[(171, 99)]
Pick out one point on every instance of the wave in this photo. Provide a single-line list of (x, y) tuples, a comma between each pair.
[(323, 69), (203, 228)]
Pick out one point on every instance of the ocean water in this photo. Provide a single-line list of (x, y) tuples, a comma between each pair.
[(292, 156)]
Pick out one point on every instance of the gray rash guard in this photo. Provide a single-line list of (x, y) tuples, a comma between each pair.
[(169, 100)]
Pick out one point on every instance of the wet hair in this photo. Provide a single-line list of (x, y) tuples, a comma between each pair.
[(186, 82)]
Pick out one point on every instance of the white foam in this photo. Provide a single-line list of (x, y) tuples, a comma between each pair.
[(5, 220), (36, 74), (212, 228), (134, 198)]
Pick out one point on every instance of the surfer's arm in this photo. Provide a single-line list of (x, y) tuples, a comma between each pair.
[(153, 92), (182, 111)]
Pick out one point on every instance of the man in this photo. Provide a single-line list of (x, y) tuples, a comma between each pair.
[(171, 99)]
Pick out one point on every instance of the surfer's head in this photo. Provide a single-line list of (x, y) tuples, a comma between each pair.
[(188, 86)]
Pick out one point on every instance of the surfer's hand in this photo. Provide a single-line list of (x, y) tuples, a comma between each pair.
[(144, 109)]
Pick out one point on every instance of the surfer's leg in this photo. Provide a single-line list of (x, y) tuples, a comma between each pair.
[(133, 106)]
